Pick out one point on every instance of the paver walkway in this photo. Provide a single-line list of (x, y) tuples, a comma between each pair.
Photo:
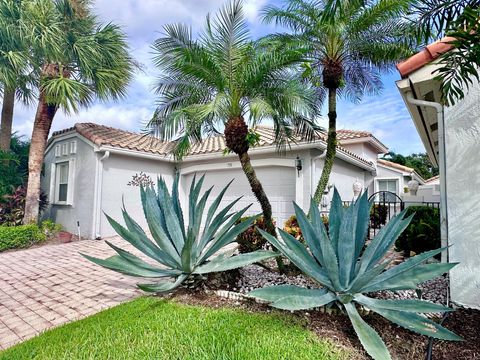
[(51, 285)]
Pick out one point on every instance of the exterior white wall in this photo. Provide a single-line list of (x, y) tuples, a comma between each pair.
[(343, 176), (118, 170), (82, 184), (384, 173), (462, 128), (363, 150)]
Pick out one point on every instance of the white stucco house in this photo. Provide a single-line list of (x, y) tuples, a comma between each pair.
[(451, 136), (88, 169)]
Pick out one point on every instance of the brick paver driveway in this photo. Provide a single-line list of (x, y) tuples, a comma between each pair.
[(51, 285)]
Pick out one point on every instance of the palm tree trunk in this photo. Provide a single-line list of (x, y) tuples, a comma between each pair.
[(7, 119), (236, 131), (41, 129), (331, 145), (258, 191)]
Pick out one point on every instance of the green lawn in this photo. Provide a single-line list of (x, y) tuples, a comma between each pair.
[(150, 328)]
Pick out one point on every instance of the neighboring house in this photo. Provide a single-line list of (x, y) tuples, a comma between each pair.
[(451, 138), (394, 177), (88, 168)]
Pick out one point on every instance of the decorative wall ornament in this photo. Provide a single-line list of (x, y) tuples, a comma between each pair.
[(413, 187)]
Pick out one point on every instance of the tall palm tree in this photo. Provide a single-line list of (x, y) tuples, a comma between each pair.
[(225, 81), (15, 78), (351, 43), (78, 61)]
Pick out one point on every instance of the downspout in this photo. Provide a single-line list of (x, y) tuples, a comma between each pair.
[(97, 208), (442, 167)]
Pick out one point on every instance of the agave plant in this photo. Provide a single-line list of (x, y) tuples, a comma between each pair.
[(347, 271), (181, 252)]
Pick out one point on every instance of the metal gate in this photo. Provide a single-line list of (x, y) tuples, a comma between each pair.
[(386, 205)]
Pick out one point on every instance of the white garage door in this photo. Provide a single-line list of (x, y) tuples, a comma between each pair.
[(278, 182)]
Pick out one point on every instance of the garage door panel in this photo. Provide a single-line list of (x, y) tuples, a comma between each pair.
[(278, 182)]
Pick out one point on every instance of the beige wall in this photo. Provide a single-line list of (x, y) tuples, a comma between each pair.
[(462, 128)]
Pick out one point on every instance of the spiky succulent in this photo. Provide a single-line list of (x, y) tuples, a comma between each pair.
[(181, 252), (347, 270)]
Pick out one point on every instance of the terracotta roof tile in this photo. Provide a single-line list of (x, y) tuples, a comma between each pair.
[(102, 135), (395, 165), (427, 55)]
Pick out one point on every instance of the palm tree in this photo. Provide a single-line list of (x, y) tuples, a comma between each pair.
[(78, 60), (351, 43), (224, 80), (14, 70)]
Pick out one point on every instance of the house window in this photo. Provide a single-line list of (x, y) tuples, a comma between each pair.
[(62, 170), (388, 185)]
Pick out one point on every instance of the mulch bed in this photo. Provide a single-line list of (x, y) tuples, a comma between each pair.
[(401, 343)]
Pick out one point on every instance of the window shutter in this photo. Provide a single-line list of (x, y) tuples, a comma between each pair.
[(71, 181), (57, 150), (73, 147)]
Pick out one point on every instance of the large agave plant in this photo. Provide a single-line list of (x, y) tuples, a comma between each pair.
[(182, 252), (348, 272)]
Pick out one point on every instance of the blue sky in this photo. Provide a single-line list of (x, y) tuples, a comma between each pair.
[(384, 115)]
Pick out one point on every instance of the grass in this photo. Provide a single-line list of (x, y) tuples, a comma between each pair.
[(149, 328)]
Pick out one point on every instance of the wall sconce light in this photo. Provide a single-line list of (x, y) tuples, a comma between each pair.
[(298, 165)]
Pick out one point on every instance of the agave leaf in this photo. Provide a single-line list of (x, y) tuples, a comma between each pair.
[(223, 264), (404, 267), (276, 292), (152, 213), (298, 254), (409, 278), (163, 286), (193, 197), (335, 219), (309, 234), (148, 248), (126, 267), (228, 234), (329, 257), (216, 223), (135, 260), (187, 252), (363, 279), (175, 232), (176, 201), (385, 238), (138, 232), (200, 207), (369, 338), (346, 246), (216, 203), (418, 323), (410, 305), (363, 217), (303, 302)]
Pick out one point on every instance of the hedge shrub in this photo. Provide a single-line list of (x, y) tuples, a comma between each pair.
[(423, 233), (14, 237), (251, 240)]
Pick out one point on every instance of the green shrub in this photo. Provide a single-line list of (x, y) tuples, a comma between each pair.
[(423, 233), (291, 226), (348, 271), (14, 237), (378, 215), (51, 228), (12, 207), (251, 240)]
